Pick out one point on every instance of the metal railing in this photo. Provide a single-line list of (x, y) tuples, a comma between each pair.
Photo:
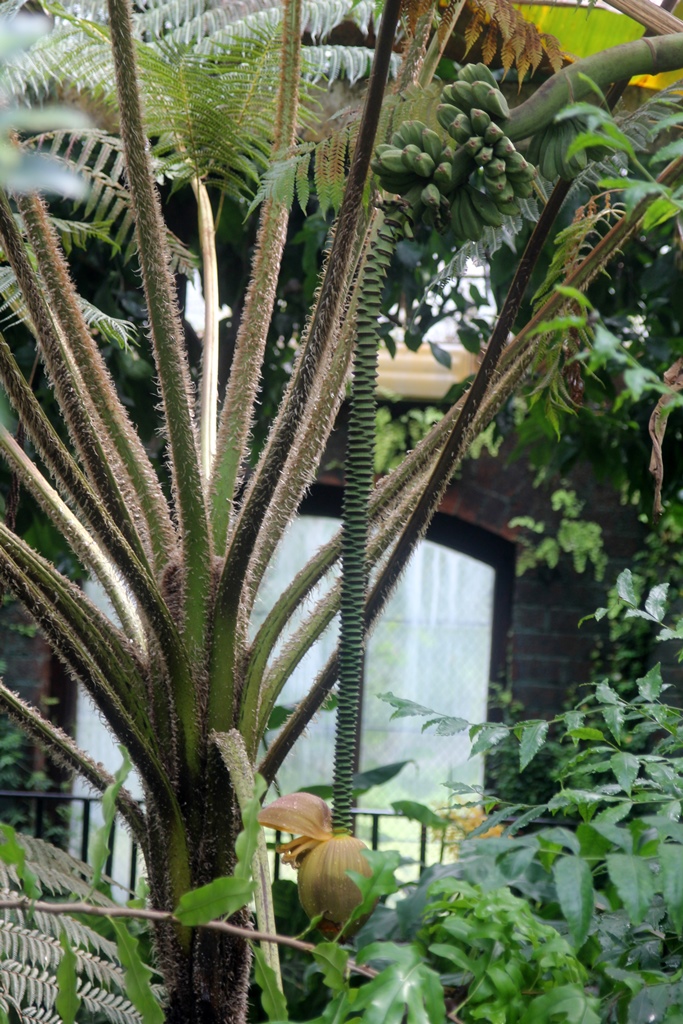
[(77, 828)]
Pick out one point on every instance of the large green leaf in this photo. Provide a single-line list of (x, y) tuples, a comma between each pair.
[(671, 877), (333, 960), (574, 885), (419, 812), (566, 1003), (407, 986), (634, 882), (221, 897)]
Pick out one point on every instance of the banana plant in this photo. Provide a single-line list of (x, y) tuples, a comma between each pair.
[(176, 674)]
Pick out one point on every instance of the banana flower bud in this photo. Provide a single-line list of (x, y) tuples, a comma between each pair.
[(321, 856)]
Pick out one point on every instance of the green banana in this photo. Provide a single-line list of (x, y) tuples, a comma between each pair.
[(504, 147), (431, 196), (409, 155), (391, 160), (504, 195), (577, 162), (446, 113), (463, 95), (490, 99), (484, 156), (423, 165), (495, 185), (477, 73), (521, 189), (443, 175), (409, 134), (486, 209), (474, 144), (480, 120), (462, 166), (460, 129), (448, 95), (396, 183), (496, 167), (516, 164), (510, 209), (493, 133), (471, 221), (431, 143), (456, 216)]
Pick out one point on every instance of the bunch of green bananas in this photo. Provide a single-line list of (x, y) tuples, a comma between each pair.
[(548, 150), (471, 180)]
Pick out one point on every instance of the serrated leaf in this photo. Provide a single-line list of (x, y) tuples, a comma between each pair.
[(67, 1002), (533, 738), (223, 896), (625, 587), (487, 737), (614, 720), (272, 1000), (574, 885), (333, 960), (671, 877), (585, 732), (605, 694), (634, 882), (625, 767), (137, 976), (447, 725), (650, 686)]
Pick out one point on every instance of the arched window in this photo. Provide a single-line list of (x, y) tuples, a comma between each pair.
[(438, 643)]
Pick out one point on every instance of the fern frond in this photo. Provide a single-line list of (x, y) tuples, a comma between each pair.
[(499, 24), (574, 242), (30, 949)]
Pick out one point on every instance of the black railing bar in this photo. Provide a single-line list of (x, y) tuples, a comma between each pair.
[(31, 795), (133, 867), (38, 829), (85, 835), (110, 859)]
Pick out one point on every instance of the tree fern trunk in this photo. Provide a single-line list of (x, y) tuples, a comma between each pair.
[(206, 974)]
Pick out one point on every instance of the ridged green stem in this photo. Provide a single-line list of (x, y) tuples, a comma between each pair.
[(646, 56), (358, 481)]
